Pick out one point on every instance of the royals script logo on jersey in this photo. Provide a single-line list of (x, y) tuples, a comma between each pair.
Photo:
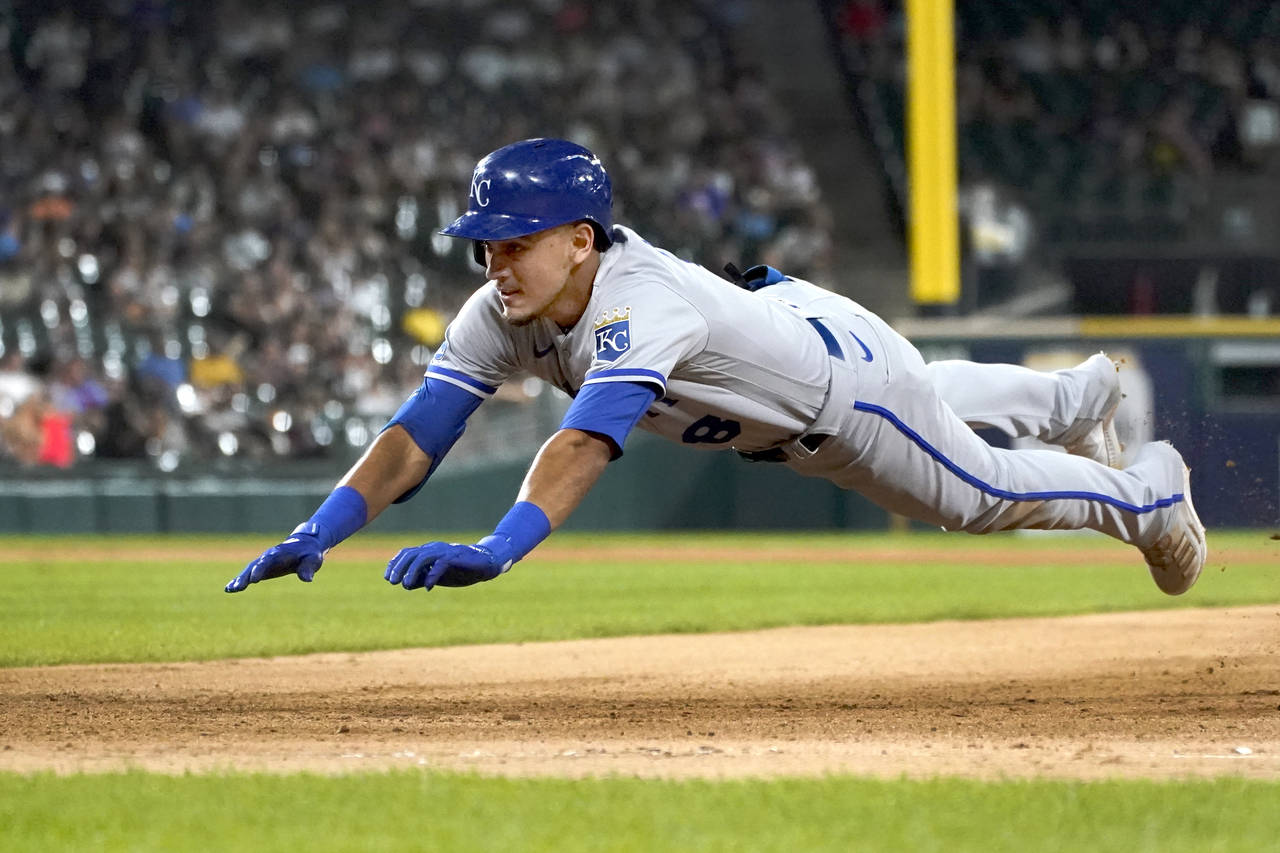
[(613, 333)]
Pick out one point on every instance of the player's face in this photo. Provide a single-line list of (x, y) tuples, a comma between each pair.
[(535, 274)]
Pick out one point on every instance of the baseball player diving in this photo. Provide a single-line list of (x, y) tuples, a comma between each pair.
[(775, 368)]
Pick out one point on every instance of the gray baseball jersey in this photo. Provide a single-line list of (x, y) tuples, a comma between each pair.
[(731, 369)]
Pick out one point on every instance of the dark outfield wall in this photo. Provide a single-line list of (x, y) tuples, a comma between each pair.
[(654, 486)]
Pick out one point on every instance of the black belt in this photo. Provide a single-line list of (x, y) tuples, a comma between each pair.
[(810, 443)]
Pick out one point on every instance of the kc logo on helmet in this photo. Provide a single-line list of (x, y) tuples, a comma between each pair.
[(613, 333), (480, 191)]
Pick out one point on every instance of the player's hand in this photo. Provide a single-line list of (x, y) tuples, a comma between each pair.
[(301, 554), (449, 564)]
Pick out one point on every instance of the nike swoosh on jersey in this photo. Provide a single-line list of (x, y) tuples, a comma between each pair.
[(866, 353), (539, 353)]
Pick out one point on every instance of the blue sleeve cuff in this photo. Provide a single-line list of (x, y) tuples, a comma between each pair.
[(342, 514), (610, 410), (435, 416), (519, 532)]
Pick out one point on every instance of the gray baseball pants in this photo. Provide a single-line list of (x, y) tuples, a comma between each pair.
[(899, 435)]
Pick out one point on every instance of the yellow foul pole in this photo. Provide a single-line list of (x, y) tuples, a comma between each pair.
[(931, 151)]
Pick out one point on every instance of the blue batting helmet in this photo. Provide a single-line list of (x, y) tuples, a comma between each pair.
[(533, 185)]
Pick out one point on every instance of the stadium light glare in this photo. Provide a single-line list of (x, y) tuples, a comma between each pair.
[(87, 265), (228, 444), (322, 433), (113, 365), (200, 302), (49, 314), (357, 433), (187, 399)]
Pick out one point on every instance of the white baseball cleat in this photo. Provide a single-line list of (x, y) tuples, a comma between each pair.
[(1100, 443), (1178, 556)]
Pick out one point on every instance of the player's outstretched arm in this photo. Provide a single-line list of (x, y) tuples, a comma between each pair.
[(392, 466), (565, 469)]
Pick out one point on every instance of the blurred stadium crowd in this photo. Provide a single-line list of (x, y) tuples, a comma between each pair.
[(217, 221)]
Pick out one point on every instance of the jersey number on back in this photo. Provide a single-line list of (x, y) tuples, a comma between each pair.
[(709, 429)]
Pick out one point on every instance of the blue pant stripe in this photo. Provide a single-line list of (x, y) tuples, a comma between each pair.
[(1003, 493)]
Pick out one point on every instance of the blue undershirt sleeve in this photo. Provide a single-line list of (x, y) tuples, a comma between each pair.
[(610, 410), (435, 416)]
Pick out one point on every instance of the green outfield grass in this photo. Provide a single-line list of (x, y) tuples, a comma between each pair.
[(445, 812), (86, 599)]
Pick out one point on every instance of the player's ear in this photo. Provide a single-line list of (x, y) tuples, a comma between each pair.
[(582, 241)]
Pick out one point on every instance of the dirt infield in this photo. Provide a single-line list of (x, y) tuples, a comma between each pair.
[(1160, 695)]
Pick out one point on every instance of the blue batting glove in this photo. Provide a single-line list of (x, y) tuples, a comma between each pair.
[(301, 554), (450, 564)]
